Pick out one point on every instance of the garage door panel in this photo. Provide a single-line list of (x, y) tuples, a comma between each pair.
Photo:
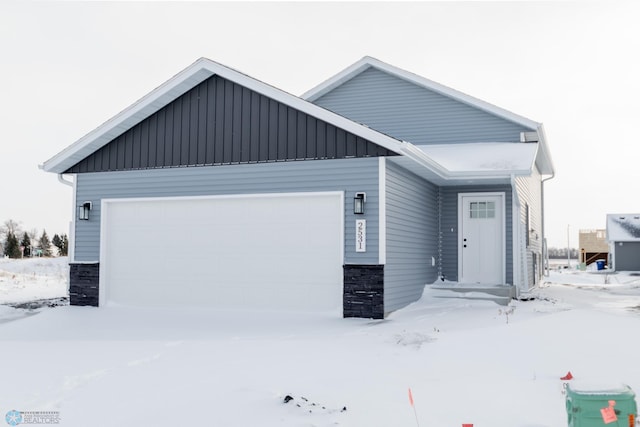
[(267, 252)]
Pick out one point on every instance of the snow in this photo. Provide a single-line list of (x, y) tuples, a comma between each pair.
[(30, 279), (483, 157), (461, 359), (623, 227)]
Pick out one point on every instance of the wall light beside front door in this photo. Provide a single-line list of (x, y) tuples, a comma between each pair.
[(84, 209), (358, 203)]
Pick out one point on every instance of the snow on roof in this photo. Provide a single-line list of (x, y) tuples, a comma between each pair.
[(545, 162), (512, 158), (623, 227), (444, 163)]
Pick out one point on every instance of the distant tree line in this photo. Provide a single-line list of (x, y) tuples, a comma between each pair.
[(17, 243), (562, 253)]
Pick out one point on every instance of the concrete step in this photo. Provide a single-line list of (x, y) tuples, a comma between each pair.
[(500, 294)]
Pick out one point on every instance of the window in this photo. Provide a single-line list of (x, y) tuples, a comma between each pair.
[(482, 210)]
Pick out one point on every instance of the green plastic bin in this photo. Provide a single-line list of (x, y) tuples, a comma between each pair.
[(584, 405)]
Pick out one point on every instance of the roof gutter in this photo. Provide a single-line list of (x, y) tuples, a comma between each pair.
[(64, 181), (545, 251)]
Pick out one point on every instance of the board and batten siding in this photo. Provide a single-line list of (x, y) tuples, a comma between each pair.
[(413, 113), (348, 175), (449, 227), (411, 236), (530, 195), (221, 122)]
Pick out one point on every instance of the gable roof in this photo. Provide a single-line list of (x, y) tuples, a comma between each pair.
[(623, 227), (544, 159), (412, 156), (368, 62), (182, 82)]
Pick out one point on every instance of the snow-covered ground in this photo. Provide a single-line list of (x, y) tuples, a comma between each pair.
[(31, 279), (465, 361)]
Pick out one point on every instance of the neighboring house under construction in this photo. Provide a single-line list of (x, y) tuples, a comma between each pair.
[(593, 246)]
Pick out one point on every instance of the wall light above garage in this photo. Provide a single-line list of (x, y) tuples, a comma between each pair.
[(83, 211), (358, 203)]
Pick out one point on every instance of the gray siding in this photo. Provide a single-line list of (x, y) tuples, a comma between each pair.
[(449, 228), (626, 256), (530, 194), (348, 175), (413, 113), (220, 122), (412, 236)]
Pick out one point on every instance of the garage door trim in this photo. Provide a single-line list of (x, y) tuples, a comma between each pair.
[(107, 203)]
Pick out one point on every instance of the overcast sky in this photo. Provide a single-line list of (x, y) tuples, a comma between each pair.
[(67, 67)]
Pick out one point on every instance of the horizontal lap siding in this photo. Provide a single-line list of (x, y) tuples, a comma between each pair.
[(413, 113), (220, 122), (449, 227), (530, 193), (348, 175), (412, 236)]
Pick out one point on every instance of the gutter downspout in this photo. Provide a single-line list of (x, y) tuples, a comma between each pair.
[(64, 181), (545, 250), (72, 234), (515, 240)]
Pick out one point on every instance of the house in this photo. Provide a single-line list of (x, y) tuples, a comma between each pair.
[(623, 235), (219, 190), (593, 246)]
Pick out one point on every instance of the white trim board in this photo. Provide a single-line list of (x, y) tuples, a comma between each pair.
[(332, 214)]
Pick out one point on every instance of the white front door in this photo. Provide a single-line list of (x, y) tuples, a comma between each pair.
[(481, 238)]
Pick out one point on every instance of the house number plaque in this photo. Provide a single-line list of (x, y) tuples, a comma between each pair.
[(361, 235)]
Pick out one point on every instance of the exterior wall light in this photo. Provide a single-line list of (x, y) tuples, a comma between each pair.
[(84, 210), (358, 203)]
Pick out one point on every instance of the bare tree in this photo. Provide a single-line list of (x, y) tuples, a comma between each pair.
[(9, 227), (33, 235)]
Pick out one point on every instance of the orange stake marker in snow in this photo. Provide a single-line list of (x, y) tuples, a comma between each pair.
[(413, 406), (567, 377)]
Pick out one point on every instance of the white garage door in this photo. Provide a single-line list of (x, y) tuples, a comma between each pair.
[(257, 252)]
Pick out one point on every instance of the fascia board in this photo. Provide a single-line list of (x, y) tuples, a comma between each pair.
[(544, 151), (337, 80), (535, 155), (149, 104)]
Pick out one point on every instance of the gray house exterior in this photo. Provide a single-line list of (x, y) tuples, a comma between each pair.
[(623, 236), (425, 113), (452, 189)]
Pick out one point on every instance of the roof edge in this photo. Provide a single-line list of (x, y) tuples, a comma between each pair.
[(179, 84), (368, 61), (111, 124)]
